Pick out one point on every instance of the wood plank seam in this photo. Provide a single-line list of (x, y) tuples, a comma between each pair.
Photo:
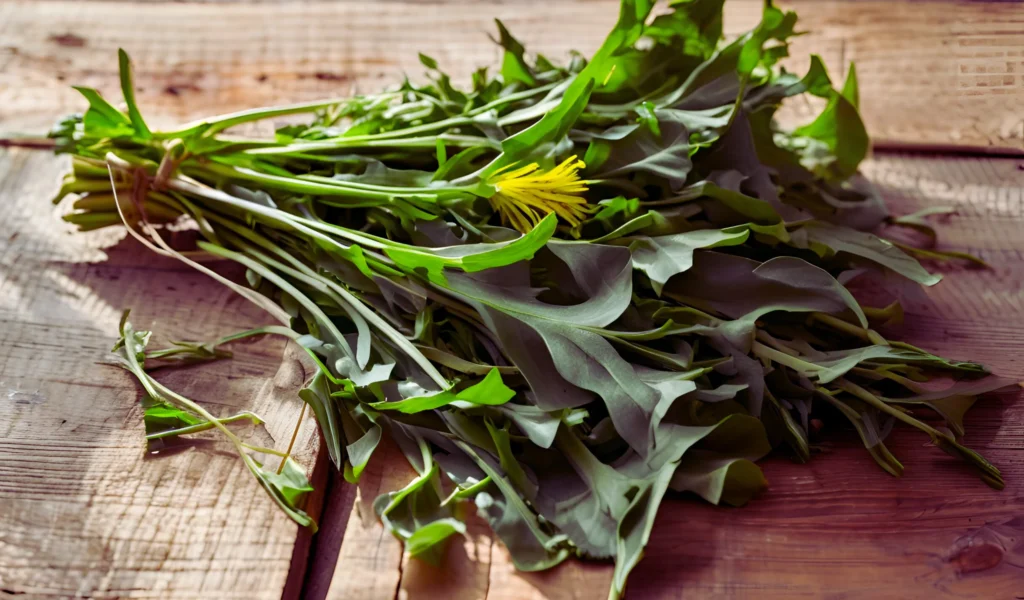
[(28, 81)]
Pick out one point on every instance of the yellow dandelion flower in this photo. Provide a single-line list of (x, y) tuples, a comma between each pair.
[(524, 196)]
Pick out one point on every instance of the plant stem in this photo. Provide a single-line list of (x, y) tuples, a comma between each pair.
[(198, 427), (275, 215), (459, 493), (219, 123), (428, 142), (295, 434)]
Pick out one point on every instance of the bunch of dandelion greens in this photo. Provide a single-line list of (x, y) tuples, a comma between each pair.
[(563, 291)]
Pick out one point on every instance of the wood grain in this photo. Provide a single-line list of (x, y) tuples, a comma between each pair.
[(83, 511), (936, 72)]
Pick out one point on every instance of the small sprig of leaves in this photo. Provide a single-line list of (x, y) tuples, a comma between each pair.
[(168, 414)]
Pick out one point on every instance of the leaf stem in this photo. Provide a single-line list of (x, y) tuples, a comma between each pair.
[(198, 427), (219, 123), (295, 434), (460, 493)]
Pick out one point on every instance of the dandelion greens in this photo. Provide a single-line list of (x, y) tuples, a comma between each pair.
[(564, 290)]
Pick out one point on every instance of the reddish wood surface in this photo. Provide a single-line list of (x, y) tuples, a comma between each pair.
[(82, 514)]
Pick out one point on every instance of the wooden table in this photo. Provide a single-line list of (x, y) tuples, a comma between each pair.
[(83, 513)]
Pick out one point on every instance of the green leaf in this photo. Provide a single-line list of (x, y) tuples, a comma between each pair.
[(360, 451), (666, 155), (720, 467), (164, 422), (745, 290), (732, 481), (458, 165), (472, 257), (317, 394), (513, 66), (379, 174), (418, 508), (866, 424), (647, 116), (417, 404), (556, 347), (291, 483), (826, 367), (531, 547), (427, 61), (634, 528), (953, 402), (840, 129), (556, 123), (919, 221), (851, 91), (424, 542), (693, 26), (161, 416), (102, 119), (552, 127), (775, 25), (510, 464), (664, 256), (490, 391), (539, 425), (767, 96), (868, 246), (287, 488), (752, 208), (128, 89), (614, 212)]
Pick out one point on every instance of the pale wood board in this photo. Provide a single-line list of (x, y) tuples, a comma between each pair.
[(82, 510), (937, 72), (101, 522)]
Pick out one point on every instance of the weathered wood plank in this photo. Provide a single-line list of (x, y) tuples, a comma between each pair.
[(929, 72), (83, 511), (193, 525)]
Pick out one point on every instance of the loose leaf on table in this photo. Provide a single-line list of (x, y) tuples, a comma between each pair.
[(165, 421), (290, 483)]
